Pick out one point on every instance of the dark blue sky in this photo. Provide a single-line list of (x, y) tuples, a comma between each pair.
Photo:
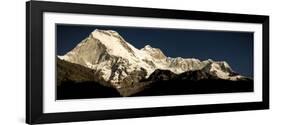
[(234, 47)]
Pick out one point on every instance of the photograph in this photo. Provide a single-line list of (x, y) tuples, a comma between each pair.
[(89, 62), (103, 61)]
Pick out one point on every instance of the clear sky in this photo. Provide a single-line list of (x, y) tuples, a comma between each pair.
[(236, 48)]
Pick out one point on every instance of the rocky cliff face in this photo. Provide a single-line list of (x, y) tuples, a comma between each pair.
[(118, 64)]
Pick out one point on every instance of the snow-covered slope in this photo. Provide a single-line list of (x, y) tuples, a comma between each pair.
[(119, 63)]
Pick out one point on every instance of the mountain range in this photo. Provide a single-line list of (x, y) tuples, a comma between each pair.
[(107, 59)]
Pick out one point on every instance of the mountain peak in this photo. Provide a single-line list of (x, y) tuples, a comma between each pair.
[(113, 42), (147, 47), (108, 32), (154, 52), (116, 60)]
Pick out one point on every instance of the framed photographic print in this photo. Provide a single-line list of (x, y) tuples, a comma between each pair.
[(95, 62)]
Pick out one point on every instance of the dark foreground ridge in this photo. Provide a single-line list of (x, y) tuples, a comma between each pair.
[(180, 87), (71, 90), (84, 90)]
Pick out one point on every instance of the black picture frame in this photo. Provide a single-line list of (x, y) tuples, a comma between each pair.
[(34, 61)]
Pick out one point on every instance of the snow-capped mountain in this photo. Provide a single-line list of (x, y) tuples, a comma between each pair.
[(117, 63)]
